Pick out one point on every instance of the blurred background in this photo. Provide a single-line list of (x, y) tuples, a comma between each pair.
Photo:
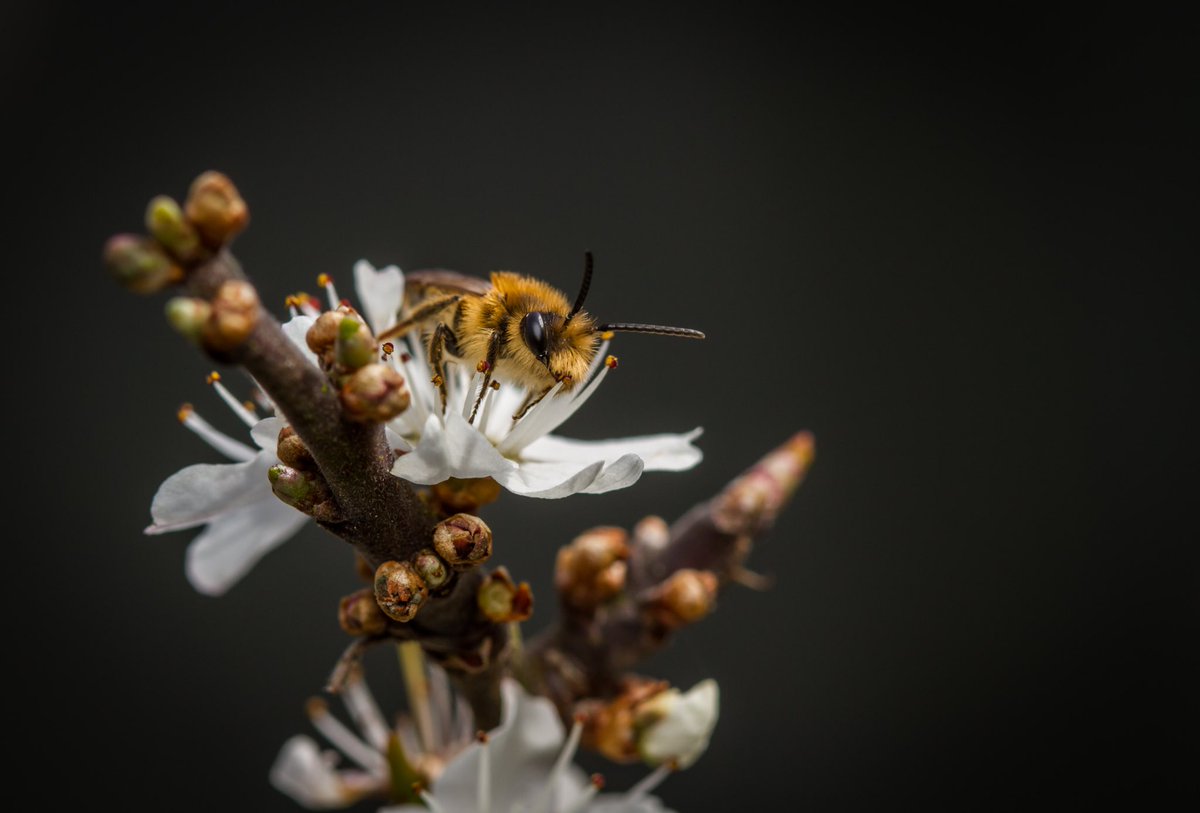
[(953, 246)]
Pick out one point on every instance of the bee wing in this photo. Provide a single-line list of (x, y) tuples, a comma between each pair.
[(443, 279)]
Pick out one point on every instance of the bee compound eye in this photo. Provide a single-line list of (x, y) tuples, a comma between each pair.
[(535, 333)]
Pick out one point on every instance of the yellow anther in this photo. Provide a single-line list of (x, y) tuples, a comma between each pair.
[(437, 380), (495, 385), (482, 367), (323, 280), (184, 412), (610, 362), (213, 377), (606, 335)]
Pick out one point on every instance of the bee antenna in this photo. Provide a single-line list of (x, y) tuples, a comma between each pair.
[(661, 330), (583, 289)]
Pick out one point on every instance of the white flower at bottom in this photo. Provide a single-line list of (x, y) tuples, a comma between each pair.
[(521, 456), (524, 767)]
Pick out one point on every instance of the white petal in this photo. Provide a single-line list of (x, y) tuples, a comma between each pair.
[(296, 329), (687, 723), (200, 493), (301, 772), (236, 540), (550, 480), (450, 449), (665, 452), (380, 294), (266, 434), (523, 749), (616, 803)]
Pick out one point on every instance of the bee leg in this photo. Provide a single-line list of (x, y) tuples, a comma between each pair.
[(531, 401), (488, 367), (421, 313), (437, 347)]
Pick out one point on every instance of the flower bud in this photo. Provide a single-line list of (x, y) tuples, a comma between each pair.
[(305, 491), (399, 591), (431, 568), (684, 597), (215, 207), (673, 726), (323, 334), (501, 600), (140, 264), (188, 315), (375, 393), (165, 221), (467, 494), (354, 346), (359, 614), (235, 312), (591, 570), (610, 728), (749, 504), (291, 450), (463, 541)]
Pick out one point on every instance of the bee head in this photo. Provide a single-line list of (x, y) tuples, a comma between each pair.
[(536, 329)]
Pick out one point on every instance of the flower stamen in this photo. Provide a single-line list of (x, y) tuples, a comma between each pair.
[(247, 417), (325, 281), (344, 739), (483, 799), (560, 767), (365, 711), (233, 449), (651, 781)]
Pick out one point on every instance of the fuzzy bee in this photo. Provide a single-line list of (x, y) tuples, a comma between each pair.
[(514, 329)]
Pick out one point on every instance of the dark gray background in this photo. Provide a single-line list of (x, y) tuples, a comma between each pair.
[(954, 247)]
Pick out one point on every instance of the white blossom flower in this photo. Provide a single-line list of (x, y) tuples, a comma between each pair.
[(244, 519), (521, 456), (522, 765), (677, 726)]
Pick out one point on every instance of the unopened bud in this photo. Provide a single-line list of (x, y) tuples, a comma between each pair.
[(463, 541), (611, 727), (375, 393), (466, 494), (235, 312), (355, 346), (502, 600), (399, 591), (215, 207), (291, 450), (165, 221), (359, 614), (323, 334), (140, 264), (683, 598), (591, 570), (749, 504), (652, 532), (188, 315), (676, 727), (431, 568), (303, 490)]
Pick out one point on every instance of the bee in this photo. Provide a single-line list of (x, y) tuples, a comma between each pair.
[(514, 329)]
